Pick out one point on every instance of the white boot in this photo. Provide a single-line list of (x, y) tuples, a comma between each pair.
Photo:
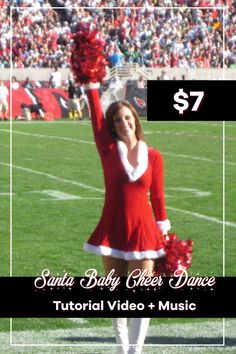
[(137, 332), (121, 333)]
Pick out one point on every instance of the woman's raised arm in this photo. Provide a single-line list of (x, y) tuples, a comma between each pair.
[(102, 136)]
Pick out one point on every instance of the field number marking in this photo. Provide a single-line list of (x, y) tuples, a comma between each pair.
[(58, 195), (194, 214), (193, 191)]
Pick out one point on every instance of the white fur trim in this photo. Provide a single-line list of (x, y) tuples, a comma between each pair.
[(134, 172), (92, 85), (128, 256), (164, 226)]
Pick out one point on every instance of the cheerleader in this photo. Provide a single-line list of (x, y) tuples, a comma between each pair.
[(127, 236), (130, 232)]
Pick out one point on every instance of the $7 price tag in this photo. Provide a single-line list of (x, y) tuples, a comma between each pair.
[(181, 97)]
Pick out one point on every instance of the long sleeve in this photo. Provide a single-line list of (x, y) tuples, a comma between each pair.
[(102, 136), (157, 193)]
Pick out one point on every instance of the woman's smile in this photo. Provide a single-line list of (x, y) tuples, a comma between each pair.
[(124, 123)]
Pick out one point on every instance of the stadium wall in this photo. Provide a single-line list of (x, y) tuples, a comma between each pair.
[(55, 100), (40, 74)]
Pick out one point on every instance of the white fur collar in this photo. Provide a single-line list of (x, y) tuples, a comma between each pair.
[(134, 172)]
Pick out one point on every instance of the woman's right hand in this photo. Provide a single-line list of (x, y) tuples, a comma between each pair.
[(88, 60)]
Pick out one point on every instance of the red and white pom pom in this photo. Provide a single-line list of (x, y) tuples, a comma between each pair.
[(178, 256), (88, 61)]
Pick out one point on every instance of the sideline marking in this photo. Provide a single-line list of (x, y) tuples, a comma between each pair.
[(182, 334)]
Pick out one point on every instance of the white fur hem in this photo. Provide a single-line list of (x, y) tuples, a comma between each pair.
[(128, 256), (164, 226), (92, 85), (134, 172)]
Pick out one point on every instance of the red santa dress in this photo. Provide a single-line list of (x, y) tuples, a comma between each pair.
[(127, 228)]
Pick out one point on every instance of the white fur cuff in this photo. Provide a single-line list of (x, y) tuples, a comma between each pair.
[(164, 226), (92, 85)]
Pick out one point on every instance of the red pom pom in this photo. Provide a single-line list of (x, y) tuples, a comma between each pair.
[(88, 60), (178, 256)]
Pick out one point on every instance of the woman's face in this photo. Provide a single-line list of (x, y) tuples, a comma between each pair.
[(124, 123)]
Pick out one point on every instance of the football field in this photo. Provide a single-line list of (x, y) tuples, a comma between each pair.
[(57, 197)]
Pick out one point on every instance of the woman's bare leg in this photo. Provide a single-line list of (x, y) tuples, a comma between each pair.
[(120, 265), (143, 264)]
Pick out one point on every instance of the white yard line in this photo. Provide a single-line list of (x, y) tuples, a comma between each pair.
[(204, 217), (184, 123), (219, 125), (56, 178), (49, 122), (203, 159), (184, 133), (54, 137)]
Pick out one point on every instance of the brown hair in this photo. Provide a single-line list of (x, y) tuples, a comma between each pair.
[(111, 112)]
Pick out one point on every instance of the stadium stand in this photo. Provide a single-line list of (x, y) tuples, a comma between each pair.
[(150, 37), (138, 35)]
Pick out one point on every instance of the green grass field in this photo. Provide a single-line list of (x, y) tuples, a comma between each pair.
[(57, 200)]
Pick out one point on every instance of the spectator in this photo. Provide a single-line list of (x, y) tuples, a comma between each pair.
[(26, 115), (141, 83), (36, 109), (3, 101), (14, 83), (164, 75), (55, 78), (114, 88), (75, 97), (152, 37), (27, 84), (116, 58)]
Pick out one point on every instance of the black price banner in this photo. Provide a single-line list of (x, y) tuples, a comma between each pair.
[(191, 100), (117, 297)]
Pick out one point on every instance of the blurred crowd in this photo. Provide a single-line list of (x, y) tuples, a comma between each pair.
[(181, 37)]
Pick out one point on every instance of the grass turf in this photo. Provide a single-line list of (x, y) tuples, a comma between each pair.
[(48, 232)]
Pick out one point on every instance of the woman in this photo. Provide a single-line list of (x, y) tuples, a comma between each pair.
[(127, 236), (141, 82)]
